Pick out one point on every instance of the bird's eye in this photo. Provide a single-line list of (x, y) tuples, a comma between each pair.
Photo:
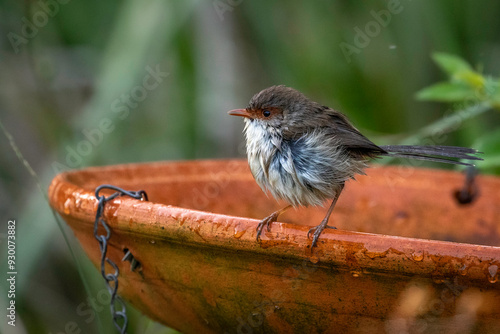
[(266, 113)]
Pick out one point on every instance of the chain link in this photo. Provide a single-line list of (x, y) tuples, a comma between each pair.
[(119, 313), (470, 189)]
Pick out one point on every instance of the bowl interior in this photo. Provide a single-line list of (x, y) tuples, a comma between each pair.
[(401, 201)]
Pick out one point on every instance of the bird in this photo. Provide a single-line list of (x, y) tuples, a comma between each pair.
[(303, 152)]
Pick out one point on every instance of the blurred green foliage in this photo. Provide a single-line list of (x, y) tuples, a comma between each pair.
[(464, 83), (74, 93), (471, 90)]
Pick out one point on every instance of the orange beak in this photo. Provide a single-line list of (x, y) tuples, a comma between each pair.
[(240, 112)]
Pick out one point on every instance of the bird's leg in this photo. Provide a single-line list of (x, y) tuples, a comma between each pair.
[(269, 220), (324, 223)]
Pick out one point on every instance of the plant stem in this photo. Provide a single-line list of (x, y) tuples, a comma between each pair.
[(448, 123)]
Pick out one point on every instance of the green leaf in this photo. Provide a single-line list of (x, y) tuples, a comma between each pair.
[(446, 92), (451, 64), (489, 144), (471, 78), (492, 91)]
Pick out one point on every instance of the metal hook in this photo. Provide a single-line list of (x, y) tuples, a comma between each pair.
[(470, 190)]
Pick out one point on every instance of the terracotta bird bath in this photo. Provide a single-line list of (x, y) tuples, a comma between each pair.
[(407, 257)]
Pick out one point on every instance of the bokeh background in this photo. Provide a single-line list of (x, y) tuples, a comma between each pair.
[(67, 65)]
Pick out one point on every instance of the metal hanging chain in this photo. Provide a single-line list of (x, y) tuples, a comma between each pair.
[(470, 189), (119, 314)]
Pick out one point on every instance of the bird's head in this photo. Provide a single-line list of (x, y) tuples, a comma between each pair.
[(280, 109)]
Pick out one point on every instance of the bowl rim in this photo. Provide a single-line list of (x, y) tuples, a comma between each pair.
[(359, 252)]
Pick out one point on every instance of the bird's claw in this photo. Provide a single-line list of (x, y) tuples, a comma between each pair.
[(317, 232), (266, 222)]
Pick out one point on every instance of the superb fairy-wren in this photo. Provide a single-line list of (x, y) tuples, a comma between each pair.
[(303, 152)]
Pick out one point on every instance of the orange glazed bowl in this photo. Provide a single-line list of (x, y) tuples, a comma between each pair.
[(407, 257)]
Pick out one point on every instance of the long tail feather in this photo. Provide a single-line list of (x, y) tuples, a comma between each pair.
[(444, 154)]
